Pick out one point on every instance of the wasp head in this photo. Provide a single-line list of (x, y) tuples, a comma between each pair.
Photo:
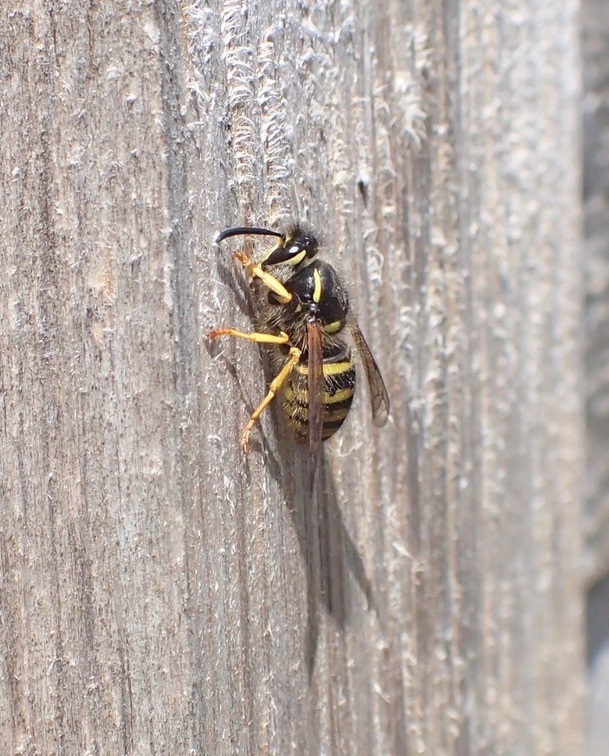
[(295, 249)]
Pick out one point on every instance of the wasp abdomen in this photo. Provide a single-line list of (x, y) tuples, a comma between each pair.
[(339, 385)]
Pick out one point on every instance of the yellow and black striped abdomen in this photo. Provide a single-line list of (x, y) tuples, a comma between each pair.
[(339, 385)]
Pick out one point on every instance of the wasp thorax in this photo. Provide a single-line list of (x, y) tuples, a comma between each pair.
[(318, 290)]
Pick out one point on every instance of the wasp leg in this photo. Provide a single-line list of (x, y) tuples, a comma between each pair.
[(261, 338), (283, 295), (279, 380), (274, 388)]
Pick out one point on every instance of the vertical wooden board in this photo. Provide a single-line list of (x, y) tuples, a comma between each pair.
[(160, 592), (595, 45), (93, 517), (595, 48)]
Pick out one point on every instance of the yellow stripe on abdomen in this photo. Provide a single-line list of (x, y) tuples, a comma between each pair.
[(329, 368)]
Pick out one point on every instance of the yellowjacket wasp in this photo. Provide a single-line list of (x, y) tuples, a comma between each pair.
[(302, 309)]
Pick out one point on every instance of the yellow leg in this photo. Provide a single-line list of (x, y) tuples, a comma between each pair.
[(267, 279), (275, 386), (261, 338)]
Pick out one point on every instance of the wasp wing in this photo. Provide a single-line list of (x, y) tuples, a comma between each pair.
[(315, 386), (379, 398)]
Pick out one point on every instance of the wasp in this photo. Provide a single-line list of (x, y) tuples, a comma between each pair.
[(302, 310)]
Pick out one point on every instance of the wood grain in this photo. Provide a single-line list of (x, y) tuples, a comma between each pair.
[(162, 594)]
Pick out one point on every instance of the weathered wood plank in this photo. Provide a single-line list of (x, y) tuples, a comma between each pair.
[(162, 594), (595, 48)]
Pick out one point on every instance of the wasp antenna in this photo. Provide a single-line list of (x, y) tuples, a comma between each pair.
[(246, 231)]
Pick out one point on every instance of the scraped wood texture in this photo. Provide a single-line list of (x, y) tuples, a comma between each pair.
[(162, 594)]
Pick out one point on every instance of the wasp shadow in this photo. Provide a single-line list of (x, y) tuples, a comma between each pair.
[(331, 557), (332, 562)]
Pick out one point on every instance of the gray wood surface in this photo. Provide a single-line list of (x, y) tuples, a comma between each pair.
[(596, 186), (162, 594), (595, 48)]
